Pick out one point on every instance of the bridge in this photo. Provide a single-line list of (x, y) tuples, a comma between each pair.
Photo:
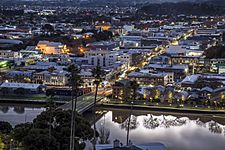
[(84, 103)]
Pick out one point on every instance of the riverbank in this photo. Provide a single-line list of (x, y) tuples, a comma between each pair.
[(162, 109), (28, 101)]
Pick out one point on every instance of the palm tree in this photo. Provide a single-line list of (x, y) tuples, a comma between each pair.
[(98, 74), (134, 86), (75, 81)]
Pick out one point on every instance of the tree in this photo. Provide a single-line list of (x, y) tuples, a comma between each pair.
[(50, 106), (215, 52), (35, 136), (21, 130), (20, 91), (75, 81), (19, 109), (48, 28), (150, 122), (5, 91), (98, 74), (18, 78), (132, 121), (4, 109), (5, 127), (51, 69), (40, 140), (104, 135)]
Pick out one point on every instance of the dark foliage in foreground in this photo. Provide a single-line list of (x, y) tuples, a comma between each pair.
[(39, 136), (5, 127)]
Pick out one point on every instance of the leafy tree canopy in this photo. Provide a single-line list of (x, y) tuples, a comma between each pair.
[(36, 135), (5, 127), (215, 52)]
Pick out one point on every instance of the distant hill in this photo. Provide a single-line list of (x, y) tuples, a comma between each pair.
[(204, 8), (217, 2), (106, 2)]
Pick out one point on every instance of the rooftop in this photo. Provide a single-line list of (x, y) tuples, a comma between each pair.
[(20, 85)]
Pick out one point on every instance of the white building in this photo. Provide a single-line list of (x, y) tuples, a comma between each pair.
[(87, 78), (9, 54), (12, 86), (126, 58), (56, 78), (128, 28), (31, 52), (130, 41), (102, 58)]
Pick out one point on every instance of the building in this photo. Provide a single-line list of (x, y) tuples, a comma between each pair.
[(19, 76), (56, 78), (88, 79), (123, 90), (215, 64), (131, 57), (44, 66), (103, 45), (147, 78), (180, 70), (117, 146), (30, 88), (220, 68), (203, 80), (52, 47), (190, 60), (10, 42), (102, 58), (130, 41), (9, 54), (31, 52), (126, 58)]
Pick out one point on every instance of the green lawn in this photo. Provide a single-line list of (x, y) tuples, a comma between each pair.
[(31, 97)]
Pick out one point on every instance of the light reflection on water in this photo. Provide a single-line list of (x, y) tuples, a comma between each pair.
[(177, 133), (19, 114)]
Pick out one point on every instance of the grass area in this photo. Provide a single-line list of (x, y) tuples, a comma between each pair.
[(31, 97), (39, 98)]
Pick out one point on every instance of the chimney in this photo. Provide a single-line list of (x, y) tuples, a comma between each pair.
[(116, 143)]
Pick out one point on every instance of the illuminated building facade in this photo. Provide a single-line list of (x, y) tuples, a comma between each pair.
[(52, 47)]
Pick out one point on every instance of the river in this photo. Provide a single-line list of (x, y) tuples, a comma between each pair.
[(16, 114), (175, 131)]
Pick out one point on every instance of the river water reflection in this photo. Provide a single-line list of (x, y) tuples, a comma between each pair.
[(176, 131), (16, 114)]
